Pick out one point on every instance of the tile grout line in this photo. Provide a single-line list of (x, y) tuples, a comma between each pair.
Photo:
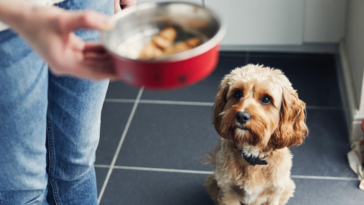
[(166, 102), (120, 100), (164, 170), (211, 172), (157, 169), (169, 102), (120, 144), (176, 102), (101, 166), (324, 178)]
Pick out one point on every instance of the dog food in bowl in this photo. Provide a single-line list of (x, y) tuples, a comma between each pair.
[(164, 45)]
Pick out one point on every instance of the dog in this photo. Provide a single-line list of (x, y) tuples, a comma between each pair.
[(259, 116)]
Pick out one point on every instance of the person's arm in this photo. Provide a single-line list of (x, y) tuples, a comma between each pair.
[(49, 32)]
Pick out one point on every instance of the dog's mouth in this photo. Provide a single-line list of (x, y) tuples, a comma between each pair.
[(243, 128), (241, 132)]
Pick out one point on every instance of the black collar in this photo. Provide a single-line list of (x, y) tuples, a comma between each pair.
[(254, 160)]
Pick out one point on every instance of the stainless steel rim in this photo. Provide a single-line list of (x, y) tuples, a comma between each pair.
[(211, 43)]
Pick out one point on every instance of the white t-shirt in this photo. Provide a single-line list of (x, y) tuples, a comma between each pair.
[(37, 2)]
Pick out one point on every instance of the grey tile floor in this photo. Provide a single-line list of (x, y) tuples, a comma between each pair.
[(152, 143)]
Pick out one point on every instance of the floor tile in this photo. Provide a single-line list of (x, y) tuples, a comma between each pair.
[(313, 76), (120, 90), (155, 188), (100, 178), (169, 136), (326, 192), (323, 153), (204, 91), (113, 120), (231, 60)]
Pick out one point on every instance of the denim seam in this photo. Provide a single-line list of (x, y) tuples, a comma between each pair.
[(52, 159), (50, 145), (55, 192)]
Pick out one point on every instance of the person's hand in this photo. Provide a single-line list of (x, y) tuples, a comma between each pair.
[(118, 4), (49, 31)]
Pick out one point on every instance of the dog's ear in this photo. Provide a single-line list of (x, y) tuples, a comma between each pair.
[(292, 128), (220, 101)]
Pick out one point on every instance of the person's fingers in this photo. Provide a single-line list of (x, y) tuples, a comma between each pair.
[(97, 56), (95, 51), (97, 63), (94, 63), (91, 69), (95, 47), (95, 68), (73, 20), (96, 72), (78, 56)]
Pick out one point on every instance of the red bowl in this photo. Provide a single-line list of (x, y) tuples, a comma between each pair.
[(136, 25)]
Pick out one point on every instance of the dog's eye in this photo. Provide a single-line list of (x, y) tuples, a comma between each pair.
[(266, 100), (238, 94)]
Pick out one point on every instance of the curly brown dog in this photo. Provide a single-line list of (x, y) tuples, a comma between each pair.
[(258, 115)]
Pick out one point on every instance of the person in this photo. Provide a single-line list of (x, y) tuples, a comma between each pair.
[(53, 80)]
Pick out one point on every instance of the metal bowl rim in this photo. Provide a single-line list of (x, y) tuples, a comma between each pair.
[(208, 45)]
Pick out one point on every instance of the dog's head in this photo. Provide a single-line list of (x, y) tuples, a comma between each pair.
[(257, 106)]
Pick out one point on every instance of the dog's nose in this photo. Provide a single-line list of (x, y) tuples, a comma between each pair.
[(242, 117)]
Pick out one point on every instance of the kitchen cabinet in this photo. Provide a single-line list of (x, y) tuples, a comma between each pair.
[(261, 22), (281, 22)]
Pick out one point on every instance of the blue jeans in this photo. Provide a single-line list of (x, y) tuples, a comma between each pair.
[(49, 125)]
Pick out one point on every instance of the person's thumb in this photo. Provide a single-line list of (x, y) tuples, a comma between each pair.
[(87, 20)]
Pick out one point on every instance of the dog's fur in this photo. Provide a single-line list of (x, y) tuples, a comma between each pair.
[(271, 130)]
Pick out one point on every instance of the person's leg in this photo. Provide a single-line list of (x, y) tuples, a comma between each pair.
[(74, 126), (73, 135), (23, 106)]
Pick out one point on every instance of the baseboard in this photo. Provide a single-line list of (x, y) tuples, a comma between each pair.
[(352, 115), (304, 48)]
